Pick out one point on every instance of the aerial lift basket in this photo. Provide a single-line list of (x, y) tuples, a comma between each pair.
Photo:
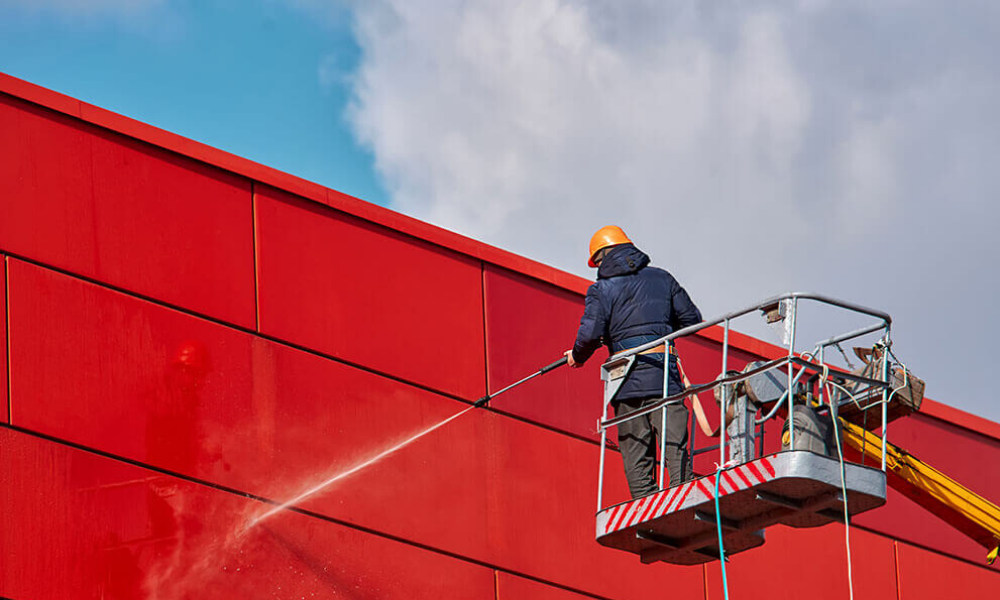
[(795, 487)]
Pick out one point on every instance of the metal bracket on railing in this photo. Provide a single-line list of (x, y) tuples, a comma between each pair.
[(614, 373)]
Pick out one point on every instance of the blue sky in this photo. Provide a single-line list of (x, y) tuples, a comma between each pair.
[(262, 79)]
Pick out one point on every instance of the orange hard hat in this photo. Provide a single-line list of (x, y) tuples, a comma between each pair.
[(609, 235)]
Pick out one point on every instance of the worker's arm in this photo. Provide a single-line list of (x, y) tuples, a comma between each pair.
[(685, 313), (592, 326)]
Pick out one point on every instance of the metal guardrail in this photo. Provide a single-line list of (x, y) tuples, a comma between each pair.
[(619, 365)]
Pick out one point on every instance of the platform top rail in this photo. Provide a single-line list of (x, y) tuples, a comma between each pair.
[(884, 317)]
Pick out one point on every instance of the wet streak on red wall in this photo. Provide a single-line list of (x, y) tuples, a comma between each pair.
[(77, 525)]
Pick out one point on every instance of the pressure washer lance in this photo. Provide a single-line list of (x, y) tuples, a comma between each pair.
[(482, 401)]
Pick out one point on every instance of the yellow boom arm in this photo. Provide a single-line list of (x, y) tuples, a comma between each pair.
[(956, 504)]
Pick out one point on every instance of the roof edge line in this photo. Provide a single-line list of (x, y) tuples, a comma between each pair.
[(260, 173), (220, 159)]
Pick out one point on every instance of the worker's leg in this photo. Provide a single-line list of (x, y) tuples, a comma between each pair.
[(677, 443), (637, 442)]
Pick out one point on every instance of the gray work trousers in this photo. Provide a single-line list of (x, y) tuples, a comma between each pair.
[(637, 440)]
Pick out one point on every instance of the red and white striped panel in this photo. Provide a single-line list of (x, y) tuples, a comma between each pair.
[(691, 493)]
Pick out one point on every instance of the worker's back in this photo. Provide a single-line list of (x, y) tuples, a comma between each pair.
[(632, 303)]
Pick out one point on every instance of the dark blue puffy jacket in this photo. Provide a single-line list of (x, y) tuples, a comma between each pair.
[(630, 304)]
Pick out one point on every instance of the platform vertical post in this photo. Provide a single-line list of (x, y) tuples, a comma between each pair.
[(604, 444), (725, 394), (885, 393), (791, 392), (663, 421)]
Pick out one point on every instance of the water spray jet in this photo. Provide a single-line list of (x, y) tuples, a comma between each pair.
[(254, 521)]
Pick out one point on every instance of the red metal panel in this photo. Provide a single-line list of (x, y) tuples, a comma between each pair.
[(114, 209), (369, 295), (105, 369), (925, 575), (512, 587), (4, 407), (529, 324), (811, 563), (955, 451), (542, 495), (77, 525)]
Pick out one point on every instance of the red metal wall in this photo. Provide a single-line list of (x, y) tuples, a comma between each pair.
[(188, 345)]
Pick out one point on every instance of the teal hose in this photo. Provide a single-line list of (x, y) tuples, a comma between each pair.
[(718, 527)]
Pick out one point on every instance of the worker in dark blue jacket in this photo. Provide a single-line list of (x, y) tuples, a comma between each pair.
[(630, 304)]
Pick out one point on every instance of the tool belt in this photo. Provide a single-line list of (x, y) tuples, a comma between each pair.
[(659, 350), (639, 340)]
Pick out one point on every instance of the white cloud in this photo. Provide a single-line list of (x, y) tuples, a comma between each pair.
[(531, 124), (866, 174), (845, 147)]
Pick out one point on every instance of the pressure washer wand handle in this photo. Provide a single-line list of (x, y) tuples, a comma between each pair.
[(482, 401), (555, 365)]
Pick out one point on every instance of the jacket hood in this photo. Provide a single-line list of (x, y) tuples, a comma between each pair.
[(622, 260)]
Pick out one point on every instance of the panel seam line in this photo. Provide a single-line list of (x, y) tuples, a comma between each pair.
[(256, 257), (6, 299), (486, 343), (895, 563)]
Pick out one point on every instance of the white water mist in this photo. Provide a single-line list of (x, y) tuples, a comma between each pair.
[(310, 492)]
